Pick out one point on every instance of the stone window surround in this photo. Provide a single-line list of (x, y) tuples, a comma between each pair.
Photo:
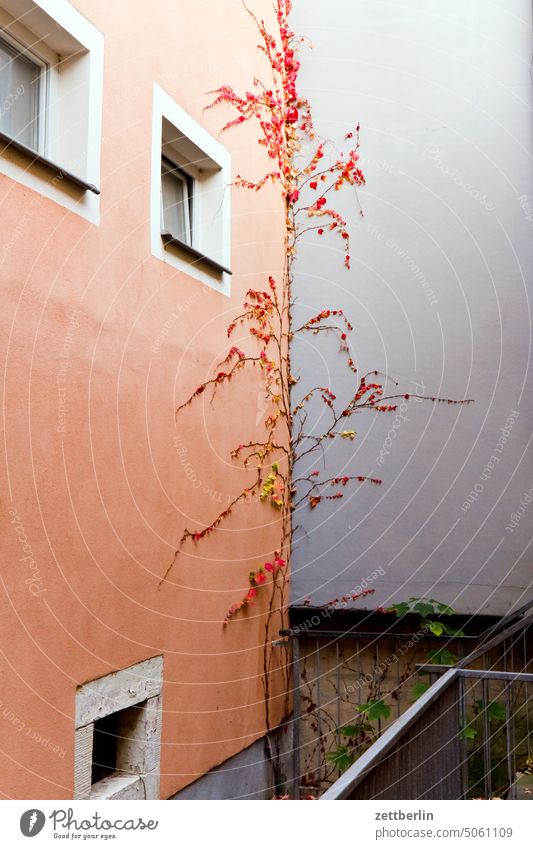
[(139, 764)]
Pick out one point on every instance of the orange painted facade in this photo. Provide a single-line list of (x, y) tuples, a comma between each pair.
[(100, 342)]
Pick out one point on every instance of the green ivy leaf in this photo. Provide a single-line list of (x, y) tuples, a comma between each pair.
[(436, 628), (349, 730), (419, 689), (341, 757), (375, 709), (495, 709), (442, 656), (453, 632), (400, 609), (443, 609), (468, 733), (424, 608)]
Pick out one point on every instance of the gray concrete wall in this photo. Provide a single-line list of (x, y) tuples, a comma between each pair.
[(245, 776), (438, 292)]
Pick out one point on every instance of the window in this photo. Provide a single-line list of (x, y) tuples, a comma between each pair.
[(51, 72), (190, 196), (177, 189), (22, 94), (118, 734)]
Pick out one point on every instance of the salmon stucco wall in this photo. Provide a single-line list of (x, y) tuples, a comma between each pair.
[(99, 482)]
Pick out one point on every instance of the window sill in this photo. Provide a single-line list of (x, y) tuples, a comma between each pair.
[(8, 143), (117, 786), (169, 239)]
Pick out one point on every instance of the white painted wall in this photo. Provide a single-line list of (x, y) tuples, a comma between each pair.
[(438, 292)]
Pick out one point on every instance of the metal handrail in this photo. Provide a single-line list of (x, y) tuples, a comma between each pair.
[(510, 617), (482, 648), (348, 781), (377, 751), (502, 632)]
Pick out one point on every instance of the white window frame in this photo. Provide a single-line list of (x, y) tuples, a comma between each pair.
[(211, 269), (139, 685), (58, 177)]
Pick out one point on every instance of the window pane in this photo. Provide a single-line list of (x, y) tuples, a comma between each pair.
[(19, 96), (176, 218)]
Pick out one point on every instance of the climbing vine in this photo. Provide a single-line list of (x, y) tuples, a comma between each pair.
[(363, 693), (308, 180)]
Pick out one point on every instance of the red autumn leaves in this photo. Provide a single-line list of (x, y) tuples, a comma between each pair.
[(256, 579), (284, 116), (315, 500)]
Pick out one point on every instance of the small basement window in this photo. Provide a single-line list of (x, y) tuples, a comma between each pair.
[(118, 734), (116, 742)]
